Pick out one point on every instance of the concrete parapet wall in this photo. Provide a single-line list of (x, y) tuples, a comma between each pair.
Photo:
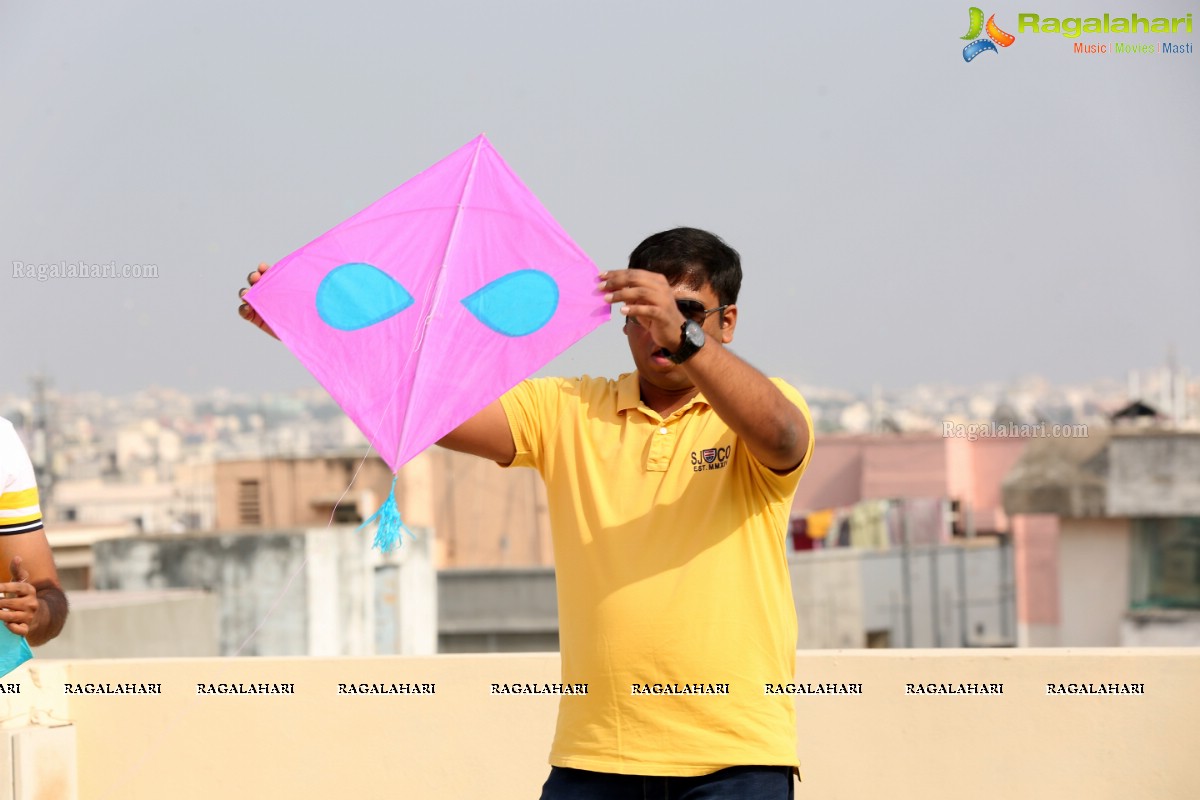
[(320, 591), (38, 757), (38, 763), (1161, 627), (463, 741), (178, 623), (497, 610)]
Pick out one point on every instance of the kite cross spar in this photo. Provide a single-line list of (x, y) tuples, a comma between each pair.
[(424, 307)]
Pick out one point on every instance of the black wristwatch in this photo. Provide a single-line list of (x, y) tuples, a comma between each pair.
[(693, 340)]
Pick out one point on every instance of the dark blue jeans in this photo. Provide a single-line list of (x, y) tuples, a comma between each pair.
[(733, 783)]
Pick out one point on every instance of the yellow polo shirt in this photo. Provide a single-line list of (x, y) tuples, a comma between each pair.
[(674, 600)]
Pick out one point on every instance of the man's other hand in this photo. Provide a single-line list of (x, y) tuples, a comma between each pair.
[(18, 600), (245, 310)]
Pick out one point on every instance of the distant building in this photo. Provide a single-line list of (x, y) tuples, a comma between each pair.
[(848, 469), (147, 503), (1136, 413), (1111, 529), (299, 492), (88, 510), (318, 591), (483, 516), (898, 562), (71, 543)]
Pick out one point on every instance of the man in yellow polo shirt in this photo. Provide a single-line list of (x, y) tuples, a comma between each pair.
[(669, 492)]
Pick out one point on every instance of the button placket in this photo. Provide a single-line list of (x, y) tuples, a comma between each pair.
[(662, 444)]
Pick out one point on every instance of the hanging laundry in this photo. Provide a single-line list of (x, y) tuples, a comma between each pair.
[(800, 536), (925, 520), (868, 526), (819, 523), (894, 521), (843, 527)]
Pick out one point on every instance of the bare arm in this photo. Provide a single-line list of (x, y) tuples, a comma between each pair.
[(772, 427), (486, 435)]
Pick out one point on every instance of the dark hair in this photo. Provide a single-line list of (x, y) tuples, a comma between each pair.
[(692, 257)]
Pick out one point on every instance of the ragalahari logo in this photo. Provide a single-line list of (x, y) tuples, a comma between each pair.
[(983, 45)]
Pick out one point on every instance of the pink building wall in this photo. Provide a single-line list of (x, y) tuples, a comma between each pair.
[(847, 469), (1036, 564)]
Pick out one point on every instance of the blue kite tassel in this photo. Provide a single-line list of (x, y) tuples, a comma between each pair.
[(387, 535)]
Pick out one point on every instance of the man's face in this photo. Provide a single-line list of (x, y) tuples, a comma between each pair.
[(651, 360)]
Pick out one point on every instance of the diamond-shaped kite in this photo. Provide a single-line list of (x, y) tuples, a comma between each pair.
[(427, 305)]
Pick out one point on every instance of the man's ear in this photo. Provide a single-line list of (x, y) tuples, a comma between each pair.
[(728, 323)]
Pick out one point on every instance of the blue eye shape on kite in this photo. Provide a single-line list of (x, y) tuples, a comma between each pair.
[(516, 304), (356, 296)]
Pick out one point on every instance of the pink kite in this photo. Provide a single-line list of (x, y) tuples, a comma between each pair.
[(427, 305)]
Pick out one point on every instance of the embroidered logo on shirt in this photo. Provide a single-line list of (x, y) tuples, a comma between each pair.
[(710, 458)]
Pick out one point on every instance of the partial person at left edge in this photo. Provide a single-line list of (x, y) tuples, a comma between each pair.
[(32, 602)]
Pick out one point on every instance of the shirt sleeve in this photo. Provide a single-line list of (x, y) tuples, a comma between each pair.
[(783, 484), (793, 394), (533, 407), (20, 511)]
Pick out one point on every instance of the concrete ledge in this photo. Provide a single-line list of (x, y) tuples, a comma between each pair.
[(38, 763), (164, 622), (44, 763), (463, 741)]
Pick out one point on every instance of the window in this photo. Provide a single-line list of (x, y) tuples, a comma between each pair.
[(249, 503), (1166, 563), (346, 514)]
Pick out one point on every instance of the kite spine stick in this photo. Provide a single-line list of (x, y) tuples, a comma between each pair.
[(387, 535), (452, 240), (432, 299)]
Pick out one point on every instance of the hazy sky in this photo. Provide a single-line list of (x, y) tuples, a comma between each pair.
[(903, 216)]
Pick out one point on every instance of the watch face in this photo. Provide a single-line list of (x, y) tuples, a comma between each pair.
[(693, 340)]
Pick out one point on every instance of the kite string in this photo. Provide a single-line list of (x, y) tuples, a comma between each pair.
[(328, 525), (430, 305), (185, 714), (164, 734)]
